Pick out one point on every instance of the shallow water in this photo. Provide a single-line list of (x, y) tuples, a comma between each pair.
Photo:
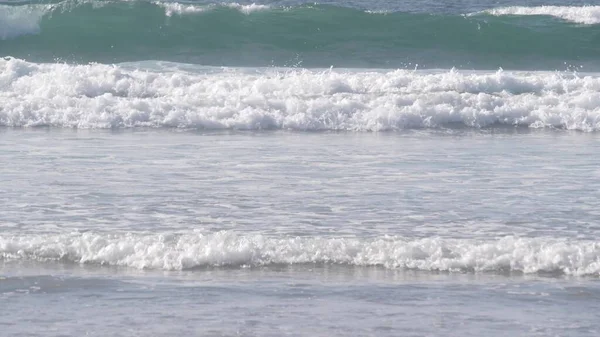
[(293, 301), (447, 232), (280, 168)]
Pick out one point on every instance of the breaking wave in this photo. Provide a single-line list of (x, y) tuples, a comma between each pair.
[(159, 94), (195, 250)]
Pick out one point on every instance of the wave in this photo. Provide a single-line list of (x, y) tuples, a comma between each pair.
[(589, 15), (25, 18), (16, 20), (193, 250), (160, 94), (308, 35)]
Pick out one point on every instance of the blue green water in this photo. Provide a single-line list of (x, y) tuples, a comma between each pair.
[(360, 34)]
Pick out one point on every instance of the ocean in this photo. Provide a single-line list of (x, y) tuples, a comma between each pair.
[(285, 168)]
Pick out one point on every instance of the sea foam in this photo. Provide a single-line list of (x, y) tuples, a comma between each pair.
[(118, 96), (584, 14), (172, 8), (247, 9), (195, 250)]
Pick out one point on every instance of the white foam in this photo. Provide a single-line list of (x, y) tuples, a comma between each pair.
[(104, 96), (172, 8), (247, 9), (584, 14), (378, 11), (21, 20), (192, 250), (181, 9)]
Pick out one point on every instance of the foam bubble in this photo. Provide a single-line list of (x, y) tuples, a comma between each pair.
[(193, 250), (21, 20), (586, 14), (113, 96)]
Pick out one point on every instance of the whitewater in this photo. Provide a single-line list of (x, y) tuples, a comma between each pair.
[(125, 96), (225, 223), (181, 252), (284, 168)]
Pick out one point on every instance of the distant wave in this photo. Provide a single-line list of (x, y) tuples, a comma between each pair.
[(189, 251), (309, 35), (589, 15), (167, 95), (23, 18)]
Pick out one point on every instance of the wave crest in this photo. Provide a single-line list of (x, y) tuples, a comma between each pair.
[(21, 20), (172, 8), (104, 96), (588, 15), (188, 251)]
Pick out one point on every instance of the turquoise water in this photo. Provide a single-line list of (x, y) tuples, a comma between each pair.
[(373, 35)]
